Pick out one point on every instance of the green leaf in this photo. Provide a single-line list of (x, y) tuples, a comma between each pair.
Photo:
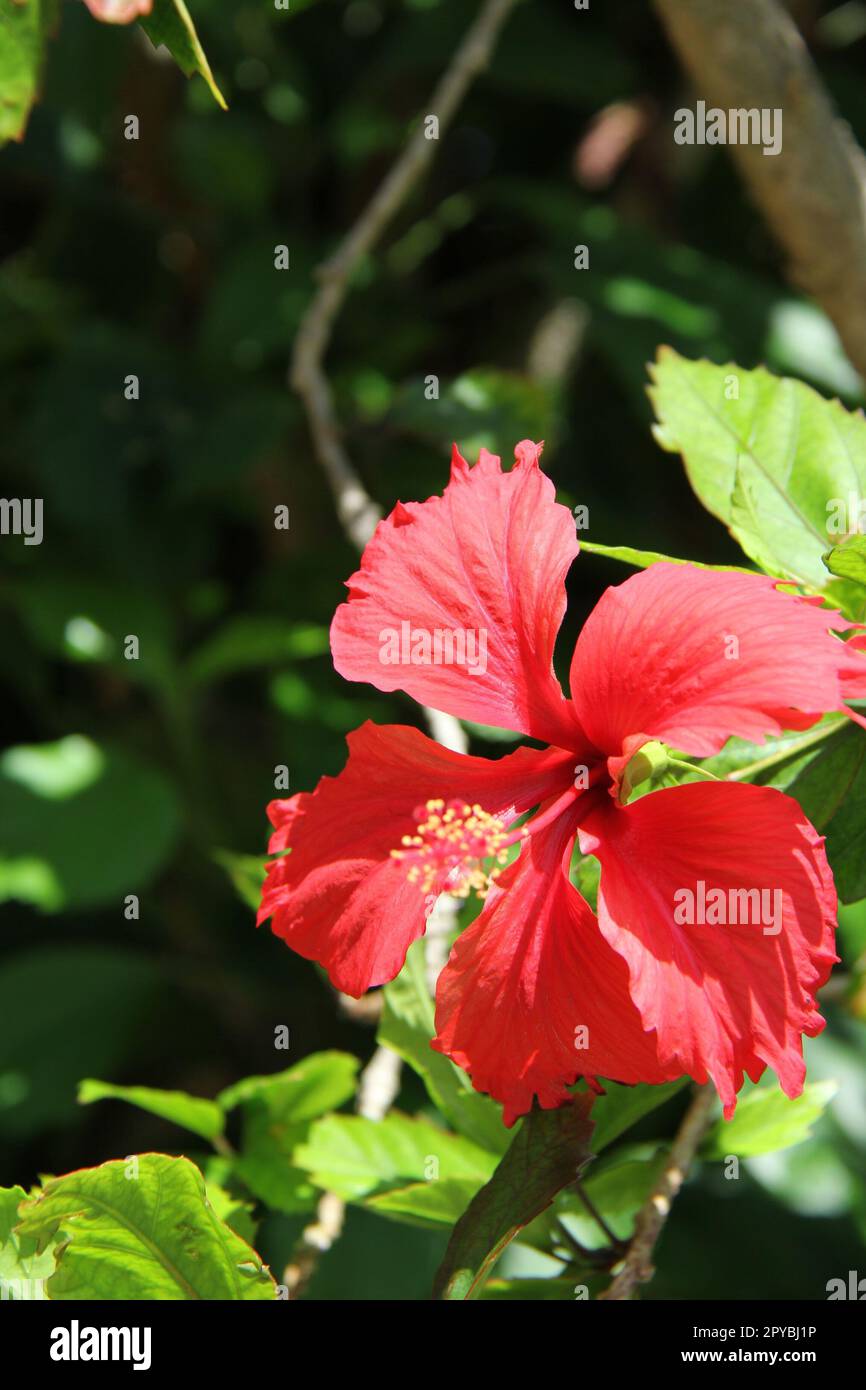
[(319, 1083), (490, 733), (547, 1153), (827, 776), (642, 559), (531, 1290), (232, 1210), (21, 43), (23, 1269), (141, 1228), (406, 1027), (830, 785), (848, 560), (741, 757), (622, 1106), (170, 23), (278, 1112), (247, 873), (81, 825), (617, 1186), (432, 1204), (202, 1117), (355, 1157), (254, 640), (767, 455), (766, 1120)]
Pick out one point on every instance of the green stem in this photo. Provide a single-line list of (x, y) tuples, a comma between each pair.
[(792, 750), (694, 768), (582, 1257), (597, 1217)]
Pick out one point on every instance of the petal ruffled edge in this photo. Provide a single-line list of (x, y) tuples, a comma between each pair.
[(691, 656), (731, 997), (459, 599)]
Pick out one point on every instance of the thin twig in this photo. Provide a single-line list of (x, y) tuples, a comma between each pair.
[(315, 1240), (357, 512), (579, 1254), (615, 1242), (637, 1266), (379, 1084)]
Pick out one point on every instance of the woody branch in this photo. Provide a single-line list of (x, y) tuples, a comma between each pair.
[(637, 1266), (357, 512), (749, 53)]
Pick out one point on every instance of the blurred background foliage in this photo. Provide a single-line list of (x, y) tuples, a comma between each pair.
[(150, 777)]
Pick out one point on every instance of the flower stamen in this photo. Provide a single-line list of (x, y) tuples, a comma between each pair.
[(451, 842)]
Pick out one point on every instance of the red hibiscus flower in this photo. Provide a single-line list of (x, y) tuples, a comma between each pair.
[(458, 602)]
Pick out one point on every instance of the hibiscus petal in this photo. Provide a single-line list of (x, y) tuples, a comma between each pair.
[(527, 977), (690, 656), (339, 897), (852, 674), (118, 11), (485, 562), (724, 999)]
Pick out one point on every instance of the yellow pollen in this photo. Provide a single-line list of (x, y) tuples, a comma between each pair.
[(450, 844)]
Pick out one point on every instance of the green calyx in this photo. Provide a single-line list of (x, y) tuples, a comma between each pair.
[(652, 762)]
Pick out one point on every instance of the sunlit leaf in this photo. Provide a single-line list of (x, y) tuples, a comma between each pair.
[(277, 1115), (170, 23), (434, 1204), (766, 1120), (784, 469), (23, 1268), (622, 1106), (407, 1027), (141, 1228), (848, 560), (642, 559), (21, 40), (354, 1156), (202, 1117)]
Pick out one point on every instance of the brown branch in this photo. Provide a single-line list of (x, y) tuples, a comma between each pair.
[(637, 1267), (357, 512), (316, 1239), (747, 54)]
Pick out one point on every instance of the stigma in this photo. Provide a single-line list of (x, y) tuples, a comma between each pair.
[(448, 850)]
